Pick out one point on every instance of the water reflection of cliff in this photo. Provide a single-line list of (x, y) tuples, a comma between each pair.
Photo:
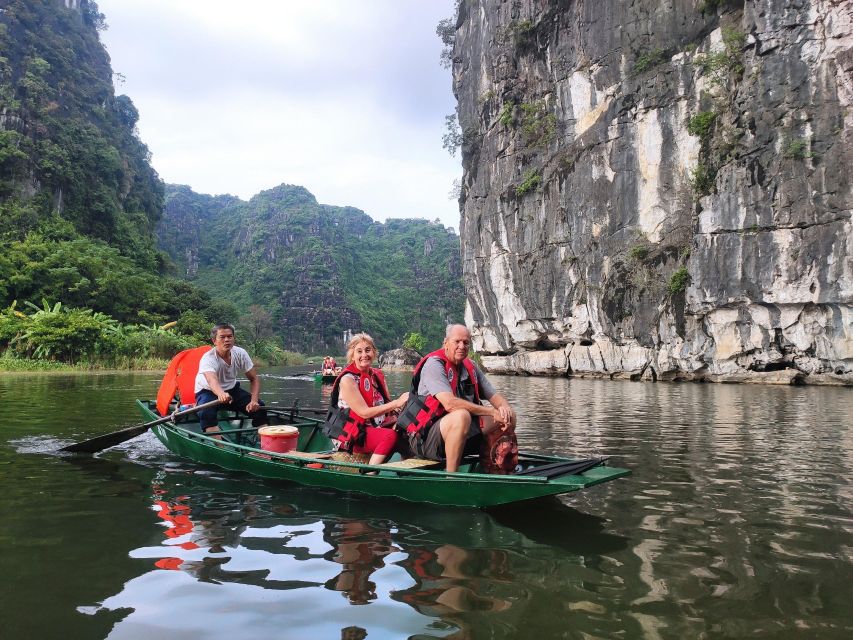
[(325, 565)]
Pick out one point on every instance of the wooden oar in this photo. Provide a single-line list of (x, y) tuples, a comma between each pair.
[(99, 443), (295, 409), (557, 469), (282, 412)]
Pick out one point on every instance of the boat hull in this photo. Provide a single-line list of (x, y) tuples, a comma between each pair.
[(414, 485)]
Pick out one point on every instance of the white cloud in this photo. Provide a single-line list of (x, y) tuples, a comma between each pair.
[(344, 97)]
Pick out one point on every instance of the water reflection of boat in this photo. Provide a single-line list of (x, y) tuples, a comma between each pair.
[(541, 523), (284, 554), (550, 522), (313, 463), (360, 547)]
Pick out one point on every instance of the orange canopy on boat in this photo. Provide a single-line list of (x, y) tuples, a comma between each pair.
[(180, 378)]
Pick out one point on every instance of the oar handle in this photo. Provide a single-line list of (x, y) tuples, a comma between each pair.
[(185, 412), (297, 409)]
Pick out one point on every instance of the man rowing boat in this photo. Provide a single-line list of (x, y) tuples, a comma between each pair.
[(217, 380)]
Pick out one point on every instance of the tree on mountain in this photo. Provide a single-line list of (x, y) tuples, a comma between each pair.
[(414, 341), (255, 327)]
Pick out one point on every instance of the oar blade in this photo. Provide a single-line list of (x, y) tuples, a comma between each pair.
[(99, 443)]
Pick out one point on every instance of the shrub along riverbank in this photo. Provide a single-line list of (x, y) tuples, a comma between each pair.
[(57, 338), (13, 364)]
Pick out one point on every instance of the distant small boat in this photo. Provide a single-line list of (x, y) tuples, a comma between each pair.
[(315, 463), (325, 377)]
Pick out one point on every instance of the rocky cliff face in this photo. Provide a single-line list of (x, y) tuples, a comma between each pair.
[(658, 190)]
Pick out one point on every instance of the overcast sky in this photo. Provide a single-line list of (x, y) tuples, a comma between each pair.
[(344, 97)]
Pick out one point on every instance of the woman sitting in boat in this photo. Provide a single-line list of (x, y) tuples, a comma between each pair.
[(361, 405)]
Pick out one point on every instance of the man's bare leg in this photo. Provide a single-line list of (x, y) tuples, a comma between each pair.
[(454, 431)]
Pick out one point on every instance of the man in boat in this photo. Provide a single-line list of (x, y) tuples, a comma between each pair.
[(444, 417), (217, 380)]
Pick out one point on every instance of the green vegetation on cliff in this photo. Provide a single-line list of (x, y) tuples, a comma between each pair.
[(320, 270), (79, 199), (69, 147)]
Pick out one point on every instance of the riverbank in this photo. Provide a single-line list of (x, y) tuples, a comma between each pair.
[(29, 365), (556, 364)]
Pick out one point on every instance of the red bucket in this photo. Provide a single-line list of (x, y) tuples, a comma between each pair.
[(280, 438)]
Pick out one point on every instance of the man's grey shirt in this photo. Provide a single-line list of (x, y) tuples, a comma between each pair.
[(434, 381)]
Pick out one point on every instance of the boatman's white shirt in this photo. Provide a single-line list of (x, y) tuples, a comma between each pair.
[(227, 375)]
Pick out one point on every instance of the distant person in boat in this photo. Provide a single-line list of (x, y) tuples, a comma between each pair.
[(362, 415), (334, 369), (217, 379), (445, 418)]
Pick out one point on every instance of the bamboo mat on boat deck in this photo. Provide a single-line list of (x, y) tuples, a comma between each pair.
[(360, 458), (343, 456), (411, 463), (339, 456)]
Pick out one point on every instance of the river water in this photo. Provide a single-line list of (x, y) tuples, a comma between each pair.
[(737, 522)]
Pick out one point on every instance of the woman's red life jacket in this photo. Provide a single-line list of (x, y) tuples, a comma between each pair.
[(346, 425), (421, 412)]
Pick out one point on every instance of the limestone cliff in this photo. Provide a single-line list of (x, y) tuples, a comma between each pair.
[(658, 190)]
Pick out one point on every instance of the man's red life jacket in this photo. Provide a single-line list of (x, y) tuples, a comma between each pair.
[(346, 425), (422, 411)]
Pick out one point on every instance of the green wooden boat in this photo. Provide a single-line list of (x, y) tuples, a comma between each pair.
[(313, 463), (324, 379)]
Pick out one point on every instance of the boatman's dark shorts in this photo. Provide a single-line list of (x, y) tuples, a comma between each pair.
[(239, 399)]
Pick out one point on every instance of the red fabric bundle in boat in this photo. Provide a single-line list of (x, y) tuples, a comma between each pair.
[(499, 452)]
